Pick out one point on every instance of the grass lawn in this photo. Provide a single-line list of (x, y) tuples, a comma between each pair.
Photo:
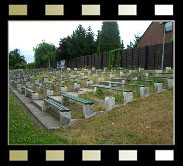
[(24, 130), (144, 121)]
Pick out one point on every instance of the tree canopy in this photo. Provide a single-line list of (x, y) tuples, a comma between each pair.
[(108, 37), (44, 52), (80, 43), (16, 61)]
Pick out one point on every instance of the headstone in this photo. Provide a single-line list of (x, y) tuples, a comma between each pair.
[(170, 83), (111, 76), (65, 118), (19, 86), (44, 106), (95, 75), (168, 69), (109, 103), (89, 82), (35, 96), (128, 97), (123, 82), (63, 89), (140, 69), (88, 110), (85, 77), (103, 73), (76, 86), (158, 71), (131, 71), (144, 91), (45, 79), (135, 78), (49, 92), (82, 74), (89, 72), (158, 87), (93, 69), (36, 81), (121, 73), (27, 83)]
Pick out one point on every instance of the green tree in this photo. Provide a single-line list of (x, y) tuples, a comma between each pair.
[(77, 43), (90, 42), (109, 37), (44, 52), (136, 40), (16, 61), (31, 65), (80, 43), (62, 51)]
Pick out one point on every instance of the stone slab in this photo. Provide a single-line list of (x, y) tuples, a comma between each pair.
[(44, 118)]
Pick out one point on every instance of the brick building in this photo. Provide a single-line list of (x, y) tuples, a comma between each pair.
[(154, 34)]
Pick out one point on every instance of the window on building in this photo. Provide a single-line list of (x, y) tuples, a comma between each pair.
[(168, 27)]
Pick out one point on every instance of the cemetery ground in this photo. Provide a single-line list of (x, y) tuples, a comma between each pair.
[(146, 120)]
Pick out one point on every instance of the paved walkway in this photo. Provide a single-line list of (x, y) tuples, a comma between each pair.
[(44, 118)]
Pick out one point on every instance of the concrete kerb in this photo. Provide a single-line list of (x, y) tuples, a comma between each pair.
[(44, 123)]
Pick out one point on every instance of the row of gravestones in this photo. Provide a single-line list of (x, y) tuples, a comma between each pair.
[(76, 85)]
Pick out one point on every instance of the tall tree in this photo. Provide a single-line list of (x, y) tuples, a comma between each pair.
[(44, 52), (76, 43), (62, 52), (109, 37), (90, 41), (80, 43), (16, 61)]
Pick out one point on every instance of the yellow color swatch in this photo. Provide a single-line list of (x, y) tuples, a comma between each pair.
[(55, 155), (127, 155), (17, 10), (90, 9), (127, 9), (54, 9), (91, 155), (18, 155)]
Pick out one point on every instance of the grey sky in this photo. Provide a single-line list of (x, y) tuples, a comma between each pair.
[(25, 35)]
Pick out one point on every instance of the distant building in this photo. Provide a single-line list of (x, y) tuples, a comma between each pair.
[(154, 34)]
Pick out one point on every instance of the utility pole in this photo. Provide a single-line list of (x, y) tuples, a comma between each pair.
[(162, 62)]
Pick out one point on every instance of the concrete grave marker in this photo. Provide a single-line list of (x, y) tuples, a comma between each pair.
[(158, 87), (109, 103)]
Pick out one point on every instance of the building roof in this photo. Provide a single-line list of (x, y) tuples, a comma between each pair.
[(154, 35)]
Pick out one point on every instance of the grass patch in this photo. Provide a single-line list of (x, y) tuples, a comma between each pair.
[(144, 121), (24, 130)]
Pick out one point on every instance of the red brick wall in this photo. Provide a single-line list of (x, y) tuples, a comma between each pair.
[(154, 35)]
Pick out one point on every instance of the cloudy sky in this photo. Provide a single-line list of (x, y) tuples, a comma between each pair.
[(25, 35)]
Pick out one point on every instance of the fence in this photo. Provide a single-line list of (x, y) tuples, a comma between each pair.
[(148, 57)]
